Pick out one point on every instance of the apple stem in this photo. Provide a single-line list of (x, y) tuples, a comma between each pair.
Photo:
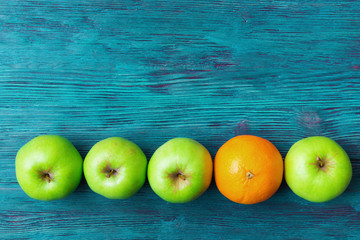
[(47, 178), (110, 173), (182, 177), (320, 162)]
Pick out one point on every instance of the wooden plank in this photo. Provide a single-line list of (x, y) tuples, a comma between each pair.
[(152, 70)]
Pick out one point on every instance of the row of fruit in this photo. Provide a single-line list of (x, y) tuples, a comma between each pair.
[(247, 169)]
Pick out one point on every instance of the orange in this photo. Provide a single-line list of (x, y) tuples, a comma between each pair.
[(248, 169)]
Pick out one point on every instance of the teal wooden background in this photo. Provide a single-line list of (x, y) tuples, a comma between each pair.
[(152, 70)]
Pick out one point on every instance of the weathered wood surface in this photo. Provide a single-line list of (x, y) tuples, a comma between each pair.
[(152, 70)]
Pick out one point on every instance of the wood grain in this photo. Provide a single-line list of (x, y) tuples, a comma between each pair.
[(152, 70)]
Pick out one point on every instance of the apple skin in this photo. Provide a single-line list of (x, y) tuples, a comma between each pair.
[(180, 170), (48, 167), (127, 163), (317, 169)]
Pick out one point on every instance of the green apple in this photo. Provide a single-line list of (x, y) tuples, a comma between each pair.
[(180, 170), (317, 169), (115, 168), (48, 167)]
